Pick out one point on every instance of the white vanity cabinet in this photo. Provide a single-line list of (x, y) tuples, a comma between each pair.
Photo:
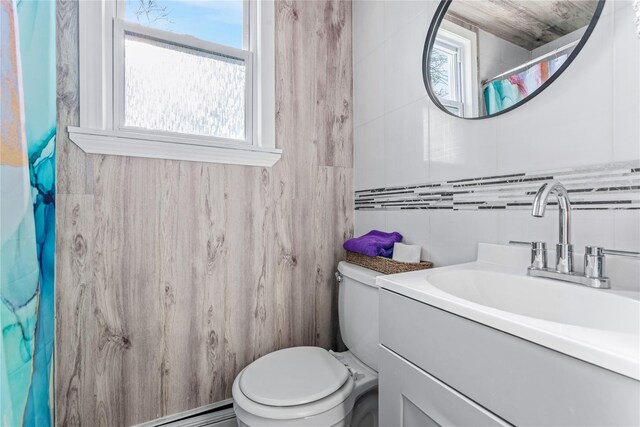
[(410, 397), (438, 368)]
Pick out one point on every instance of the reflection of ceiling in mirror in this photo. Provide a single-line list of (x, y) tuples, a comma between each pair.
[(526, 23)]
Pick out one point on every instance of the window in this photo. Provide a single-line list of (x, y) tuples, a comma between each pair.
[(452, 69), (216, 21), (446, 75), (190, 80)]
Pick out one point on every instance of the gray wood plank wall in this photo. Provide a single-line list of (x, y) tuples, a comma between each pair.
[(172, 276)]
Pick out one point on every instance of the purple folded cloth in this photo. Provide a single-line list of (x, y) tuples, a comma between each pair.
[(374, 243)]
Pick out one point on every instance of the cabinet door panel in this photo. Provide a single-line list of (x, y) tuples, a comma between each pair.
[(410, 397)]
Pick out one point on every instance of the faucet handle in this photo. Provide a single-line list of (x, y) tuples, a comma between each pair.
[(519, 242), (600, 251), (538, 255), (594, 265), (538, 252), (616, 252), (594, 261)]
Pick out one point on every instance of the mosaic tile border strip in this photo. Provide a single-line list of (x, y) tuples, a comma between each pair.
[(597, 187)]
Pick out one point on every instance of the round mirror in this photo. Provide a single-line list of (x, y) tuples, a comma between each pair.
[(483, 58)]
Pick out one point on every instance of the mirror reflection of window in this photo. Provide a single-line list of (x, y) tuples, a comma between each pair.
[(446, 76), (487, 56), (453, 71)]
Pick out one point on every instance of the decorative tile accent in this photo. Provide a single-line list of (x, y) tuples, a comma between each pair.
[(596, 187)]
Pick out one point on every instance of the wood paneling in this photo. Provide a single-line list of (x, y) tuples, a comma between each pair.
[(172, 276), (526, 23)]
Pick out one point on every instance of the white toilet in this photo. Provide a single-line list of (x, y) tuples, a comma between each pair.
[(310, 386)]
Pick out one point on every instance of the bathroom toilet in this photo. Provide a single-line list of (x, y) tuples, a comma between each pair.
[(310, 386)]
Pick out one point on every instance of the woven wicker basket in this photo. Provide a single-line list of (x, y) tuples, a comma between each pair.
[(385, 265)]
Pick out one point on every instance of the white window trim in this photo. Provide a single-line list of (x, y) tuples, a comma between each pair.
[(468, 43), (456, 89), (100, 131)]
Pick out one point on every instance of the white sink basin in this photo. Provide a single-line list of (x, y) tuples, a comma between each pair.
[(542, 299), (598, 326)]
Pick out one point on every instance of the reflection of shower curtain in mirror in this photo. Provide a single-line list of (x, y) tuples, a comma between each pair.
[(27, 187), (502, 94)]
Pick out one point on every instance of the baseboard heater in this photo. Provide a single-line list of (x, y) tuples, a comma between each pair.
[(219, 414)]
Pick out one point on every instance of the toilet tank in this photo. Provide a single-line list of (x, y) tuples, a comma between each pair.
[(358, 312)]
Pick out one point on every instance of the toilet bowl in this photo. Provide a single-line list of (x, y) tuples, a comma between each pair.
[(310, 386)]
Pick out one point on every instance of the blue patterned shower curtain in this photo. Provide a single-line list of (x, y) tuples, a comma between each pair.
[(27, 211)]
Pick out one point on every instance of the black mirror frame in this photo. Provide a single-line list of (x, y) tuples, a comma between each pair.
[(431, 37)]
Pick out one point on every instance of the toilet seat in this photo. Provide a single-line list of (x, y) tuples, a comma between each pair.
[(334, 409), (242, 391), (292, 377)]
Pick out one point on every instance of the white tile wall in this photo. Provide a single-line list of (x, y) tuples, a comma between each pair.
[(406, 143), (460, 148), (369, 156), (590, 115), (369, 220), (520, 225), (368, 17), (368, 84), (626, 85), (402, 13), (402, 64), (452, 237), (626, 230)]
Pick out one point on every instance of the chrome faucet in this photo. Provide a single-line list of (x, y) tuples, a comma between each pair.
[(564, 249), (594, 262)]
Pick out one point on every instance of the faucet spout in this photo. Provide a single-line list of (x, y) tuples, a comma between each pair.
[(564, 250)]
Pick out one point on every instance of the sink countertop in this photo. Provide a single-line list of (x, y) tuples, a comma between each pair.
[(613, 345)]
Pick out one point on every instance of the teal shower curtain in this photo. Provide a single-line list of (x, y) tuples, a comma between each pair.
[(502, 94), (27, 211)]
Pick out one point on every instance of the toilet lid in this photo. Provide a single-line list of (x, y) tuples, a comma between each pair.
[(293, 376)]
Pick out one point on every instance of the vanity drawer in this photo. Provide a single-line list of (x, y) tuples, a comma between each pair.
[(519, 381), (409, 397)]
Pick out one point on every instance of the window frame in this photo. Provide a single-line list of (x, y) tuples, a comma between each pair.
[(456, 83), (101, 53), (465, 41), (122, 27)]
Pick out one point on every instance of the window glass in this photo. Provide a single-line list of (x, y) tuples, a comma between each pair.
[(217, 21), (177, 89), (440, 73), (446, 78)]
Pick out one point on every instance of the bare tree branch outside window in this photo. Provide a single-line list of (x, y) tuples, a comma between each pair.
[(150, 10), (438, 72)]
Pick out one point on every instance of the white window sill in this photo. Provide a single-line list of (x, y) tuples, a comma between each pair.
[(114, 143)]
